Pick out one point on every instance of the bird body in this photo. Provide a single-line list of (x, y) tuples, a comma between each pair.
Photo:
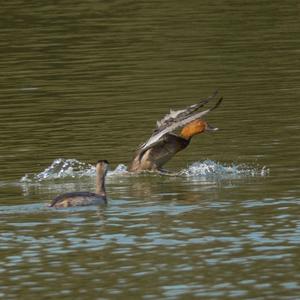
[(86, 198), (164, 144)]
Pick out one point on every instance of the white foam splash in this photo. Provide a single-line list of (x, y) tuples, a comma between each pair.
[(61, 168), (119, 170), (209, 168), (72, 168), (68, 168)]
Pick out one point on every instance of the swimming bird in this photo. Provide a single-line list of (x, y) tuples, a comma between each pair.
[(86, 198), (164, 144)]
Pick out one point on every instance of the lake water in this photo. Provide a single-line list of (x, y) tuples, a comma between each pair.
[(87, 80)]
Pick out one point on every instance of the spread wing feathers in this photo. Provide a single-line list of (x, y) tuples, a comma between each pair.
[(176, 115), (177, 119)]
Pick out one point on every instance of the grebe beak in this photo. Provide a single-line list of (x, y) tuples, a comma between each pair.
[(210, 128)]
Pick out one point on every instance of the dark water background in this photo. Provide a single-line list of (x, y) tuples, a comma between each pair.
[(87, 80)]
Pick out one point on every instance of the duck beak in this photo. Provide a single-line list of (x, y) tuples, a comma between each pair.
[(211, 128)]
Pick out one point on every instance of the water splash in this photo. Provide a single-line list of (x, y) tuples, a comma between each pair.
[(119, 170), (209, 168), (68, 168), (61, 168), (72, 168)]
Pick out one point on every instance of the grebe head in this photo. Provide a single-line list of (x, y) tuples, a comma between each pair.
[(196, 127), (102, 167)]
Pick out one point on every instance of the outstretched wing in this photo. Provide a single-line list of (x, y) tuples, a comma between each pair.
[(176, 115), (177, 119)]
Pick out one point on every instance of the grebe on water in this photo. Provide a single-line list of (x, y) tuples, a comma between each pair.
[(86, 198), (164, 144)]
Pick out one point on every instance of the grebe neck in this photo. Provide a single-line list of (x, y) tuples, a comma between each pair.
[(100, 184)]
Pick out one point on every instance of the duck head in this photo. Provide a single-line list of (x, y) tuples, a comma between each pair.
[(196, 127)]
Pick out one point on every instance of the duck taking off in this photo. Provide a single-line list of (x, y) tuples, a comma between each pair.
[(86, 198), (164, 144)]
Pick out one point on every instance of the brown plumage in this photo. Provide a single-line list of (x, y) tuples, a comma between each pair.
[(154, 158), (163, 144), (86, 198)]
